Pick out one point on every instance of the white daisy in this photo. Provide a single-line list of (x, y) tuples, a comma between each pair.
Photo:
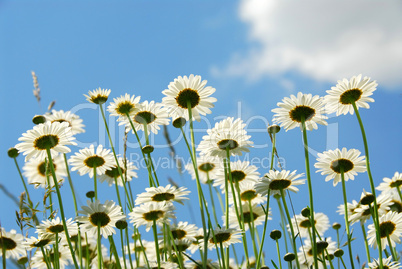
[(396, 202), (123, 105), (12, 242), (390, 225), (258, 216), (184, 230), (146, 214), (248, 193), (87, 159), (44, 240), (391, 183), (207, 168), (197, 244), (293, 110), (104, 215), (138, 250), (332, 162), (302, 225), (341, 97), (189, 90), (241, 171), (149, 113), (64, 256), (98, 96), (162, 194), (387, 263), (224, 236), (163, 265), (55, 226), (351, 211), (127, 169), (74, 121), (279, 180), (363, 213), (306, 256), (227, 134), (198, 265), (56, 136), (37, 173)]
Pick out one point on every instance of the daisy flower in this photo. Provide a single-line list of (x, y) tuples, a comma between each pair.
[(333, 162), (37, 173), (391, 183), (147, 246), (396, 203), (123, 105), (55, 136), (12, 242), (104, 215), (55, 226), (98, 96), (64, 255), (387, 263), (127, 169), (276, 181), (207, 168), (184, 230), (390, 225), (41, 241), (241, 171), (293, 110), (306, 256), (185, 91), (228, 134), (74, 121), (88, 158), (197, 244), (341, 97), (146, 214), (248, 193), (351, 210), (149, 113), (258, 215), (224, 236), (302, 225), (163, 265), (168, 194), (198, 264), (362, 212)]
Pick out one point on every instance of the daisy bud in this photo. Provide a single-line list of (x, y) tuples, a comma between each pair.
[(39, 119), (275, 234), (90, 194), (179, 122), (22, 260), (305, 212), (338, 253), (13, 153), (321, 245), (329, 257), (121, 224), (336, 226), (367, 199), (147, 149), (289, 257), (264, 267), (274, 129)]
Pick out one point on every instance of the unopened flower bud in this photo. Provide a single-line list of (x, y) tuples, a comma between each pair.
[(121, 224), (147, 149), (13, 153), (338, 253), (39, 119), (305, 212), (336, 226), (179, 122), (367, 199), (275, 234), (90, 194), (274, 129), (289, 257)]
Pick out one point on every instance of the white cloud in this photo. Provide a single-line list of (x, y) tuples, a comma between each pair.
[(324, 40)]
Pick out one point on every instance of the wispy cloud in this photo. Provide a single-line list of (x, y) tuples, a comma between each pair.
[(324, 40)]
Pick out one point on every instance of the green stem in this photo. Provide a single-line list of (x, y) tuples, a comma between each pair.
[(3, 250), (158, 257), (212, 200), (375, 219), (222, 255), (199, 188), (283, 223), (150, 162), (56, 252), (131, 204), (310, 190), (264, 231), (61, 208), (253, 231), (98, 247), (117, 192), (365, 241), (347, 218), (293, 241), (44, 258), (71, 184), (279, 253), (394, 256), (23, 181), (114, 250), (129, 249), (95, 184), (343, 263)]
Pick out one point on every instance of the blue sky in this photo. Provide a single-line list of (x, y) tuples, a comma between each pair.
[(249, 53)]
